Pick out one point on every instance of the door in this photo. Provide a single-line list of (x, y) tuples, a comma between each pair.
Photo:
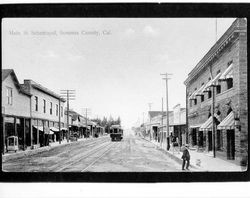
[(194, 137), (230, 144), (200, 139), (210, 141)]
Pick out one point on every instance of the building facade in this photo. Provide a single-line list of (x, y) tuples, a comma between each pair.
[(46, 112), (15, 110), (216, 97)]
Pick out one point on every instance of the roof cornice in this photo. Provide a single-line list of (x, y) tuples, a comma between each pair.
[(228, 37)]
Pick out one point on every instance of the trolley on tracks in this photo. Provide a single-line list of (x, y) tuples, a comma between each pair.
[(116, 133)]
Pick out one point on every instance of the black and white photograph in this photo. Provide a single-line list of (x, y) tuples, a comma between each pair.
[(124, 98)]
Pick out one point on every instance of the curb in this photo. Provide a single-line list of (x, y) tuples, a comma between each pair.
[(175, 158), (37, 151)]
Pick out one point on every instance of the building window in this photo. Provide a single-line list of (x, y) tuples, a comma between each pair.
[(229, 63), (9, 96), (229, 83), (195, 101), (209, 94), (36, 103), (218, 89), (61, 111), (44, 106), (202, 98), (51, 108), (56, 110)]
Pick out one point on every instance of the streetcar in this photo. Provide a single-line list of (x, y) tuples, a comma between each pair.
[(116, 133)]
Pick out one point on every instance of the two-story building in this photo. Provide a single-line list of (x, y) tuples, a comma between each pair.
[(46, 112), (15, 110), (216, 96)]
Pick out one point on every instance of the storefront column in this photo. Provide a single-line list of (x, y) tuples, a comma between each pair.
[(207, 143), (3, 148), (15, 128), (43, 133), (37, 132), (31, 135), (24, 135)]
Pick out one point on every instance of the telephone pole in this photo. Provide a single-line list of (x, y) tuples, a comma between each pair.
[(162, 121), (166, 78), (149, 105), (68, 95), (86, 111)]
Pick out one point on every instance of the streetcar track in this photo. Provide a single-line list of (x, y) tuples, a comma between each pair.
[(98, 158), (78, 159), (59, 162), (87, 144)]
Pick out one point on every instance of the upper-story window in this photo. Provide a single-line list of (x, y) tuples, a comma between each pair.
[(195, 101), (218, 86), (209, 94), (202, 96), (61, 111), (57, 110), (229, 63), (44, 106), (9, 96), (50, 108), (229, 83), (36, 103)]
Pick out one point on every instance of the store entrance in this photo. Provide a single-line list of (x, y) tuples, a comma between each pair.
[(230, 144)]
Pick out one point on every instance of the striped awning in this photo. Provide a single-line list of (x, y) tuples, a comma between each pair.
[(212, 82), (192, 97), (200, 90), (228, 122), (207, 125), (228, 73)]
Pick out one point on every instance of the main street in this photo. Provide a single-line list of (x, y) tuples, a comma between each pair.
[(132, 154)]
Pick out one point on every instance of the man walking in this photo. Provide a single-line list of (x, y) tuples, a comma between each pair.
[(185, 157)]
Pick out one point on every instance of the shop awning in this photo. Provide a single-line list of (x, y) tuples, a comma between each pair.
[(200, 90), (207, 125), (228, 73), (54, 129), (192, 97), (228, 122), (213, 82), (50, 132), (40, 128), (195, 126)]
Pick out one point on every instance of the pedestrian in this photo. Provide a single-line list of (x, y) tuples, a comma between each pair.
[(185, 157)]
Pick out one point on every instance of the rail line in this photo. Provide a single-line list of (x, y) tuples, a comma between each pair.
[(98, 158), (80, 157), (79, 144)]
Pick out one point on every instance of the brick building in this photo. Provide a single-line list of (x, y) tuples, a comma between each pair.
[(15, 110), (218, 85), (46, 112)]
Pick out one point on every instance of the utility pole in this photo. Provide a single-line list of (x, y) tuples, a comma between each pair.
[(68, 95), (167, 125), (149, 105), (162, 121), (59, 120), (86, 111)]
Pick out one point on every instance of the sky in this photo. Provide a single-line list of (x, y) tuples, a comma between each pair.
[(113, 64)]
